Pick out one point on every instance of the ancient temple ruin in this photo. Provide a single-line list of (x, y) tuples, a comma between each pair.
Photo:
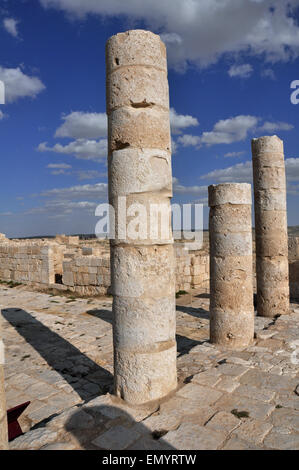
[(144, 274)]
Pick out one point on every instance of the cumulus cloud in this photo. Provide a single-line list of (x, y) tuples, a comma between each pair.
[(60, 208), (227, 131), (1, 115), (83, 149), (181, 189), (270, 127), (94, 192), (239, 173), (6, 214), (11, 26), (65, 169), (234, 154), (188, 140), (233, 129), (178, 122), (203, 31), (242, 71), (89, 174), (242, 172), (63, 166), (19, 85), (82, 125)]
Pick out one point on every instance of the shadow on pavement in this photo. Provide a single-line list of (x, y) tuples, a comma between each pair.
[(60, 355)]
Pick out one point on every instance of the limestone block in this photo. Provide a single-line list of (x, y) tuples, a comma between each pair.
[(227, 193), (148, 219), (86, 250), (143, 376), (140, 128), (138, 170), (137, 87), (135, 47), (68, 278), (138, 271)]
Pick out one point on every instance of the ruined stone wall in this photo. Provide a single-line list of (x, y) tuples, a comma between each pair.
[(87, 272), (294, 267), (192, 269), (28, 263)]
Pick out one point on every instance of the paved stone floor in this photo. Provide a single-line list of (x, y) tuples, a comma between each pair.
[(59, 356)]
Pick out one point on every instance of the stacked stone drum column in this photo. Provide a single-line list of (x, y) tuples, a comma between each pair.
[(139, 167), (231, 289), (3, 420), (270, 226)]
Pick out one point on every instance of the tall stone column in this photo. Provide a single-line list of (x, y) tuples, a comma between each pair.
[(3, 420), (231, 290), (270, 226), (140, 180)]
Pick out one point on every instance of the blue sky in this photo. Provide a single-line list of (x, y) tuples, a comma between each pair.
[(231, 64)]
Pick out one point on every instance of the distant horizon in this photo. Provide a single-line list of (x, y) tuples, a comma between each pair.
[(227, 85), (90, 235)]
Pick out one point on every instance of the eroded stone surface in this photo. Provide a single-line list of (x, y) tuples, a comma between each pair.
[(68, 347), (142, 264), (231, 287), (272, 268)]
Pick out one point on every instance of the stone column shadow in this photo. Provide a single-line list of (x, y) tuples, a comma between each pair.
[(184, 344), (107, 427), (60, 355)]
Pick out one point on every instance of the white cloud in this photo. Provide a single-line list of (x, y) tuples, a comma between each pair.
[(11, 26), (234, 129), (181, 189), (239, 173), (202, 31), (56, 209), (81, 149), (230, 130), (64, 169), (81, 125), (94, 192), (63, 166), (242, 71), (188, 140), (180, 121), (270, 127), (89, 174), (6, 214), (234, 154), (174, 146), (242, 172), (19, 85), (1, 115), (60, 172)]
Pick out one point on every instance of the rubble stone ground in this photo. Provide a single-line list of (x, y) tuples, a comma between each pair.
[(59, 356)]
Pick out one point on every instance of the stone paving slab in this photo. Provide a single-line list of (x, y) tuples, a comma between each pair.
[(59, 355)]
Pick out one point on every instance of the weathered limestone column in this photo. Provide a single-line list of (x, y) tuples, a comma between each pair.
[(3, 420), (231, 290), (270, 226), (139, 168)]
